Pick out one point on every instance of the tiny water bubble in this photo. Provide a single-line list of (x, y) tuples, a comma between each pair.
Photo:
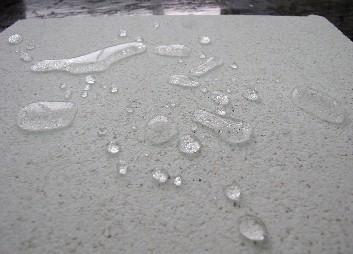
[(202, 56), (30, 45), (183, 81), (113, 148), (87, 87), (63, 86), (234, 66), (220, 98), (15, 39), (139, 39), (114, 89), (122, 167), (221, 111), (204, 89), (156, 26), (160, 175)]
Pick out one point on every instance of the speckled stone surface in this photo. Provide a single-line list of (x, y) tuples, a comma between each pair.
[(60, 191)]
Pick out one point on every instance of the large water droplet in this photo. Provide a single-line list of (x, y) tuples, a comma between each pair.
[(160, 175), (229, 130), (232, 192), (42, 116), (15, 39), (205, 40), (251, 94), (189, 145), (93, 62), (220, 98), (182, 80), (160, 130), (172, 50), (25, 57), (253, 228), (113, 147), (210, 64), (90, 79), (318, 104)]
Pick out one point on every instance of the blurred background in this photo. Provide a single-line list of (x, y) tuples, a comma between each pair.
[(339, 12)]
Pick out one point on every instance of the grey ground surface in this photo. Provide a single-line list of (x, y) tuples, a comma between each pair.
[(60, 191)]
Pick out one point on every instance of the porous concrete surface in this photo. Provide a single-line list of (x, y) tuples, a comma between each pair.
[(60, 191)]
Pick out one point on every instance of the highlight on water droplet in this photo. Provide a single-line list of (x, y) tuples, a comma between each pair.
[(210, 64), (178, 181), (87, 87), (204, 40), (113, 148), (177, 50), (15, 39), (189, 145), (160, 130), (204, 89), (220, 98), (318, 104), (229, 130), (202, 56), (232, 192), (43, 116), (160, 175), (253, 228), (90, 79), (25, 57), (183, 81), (123, 33), (251, 94), (96, 61)]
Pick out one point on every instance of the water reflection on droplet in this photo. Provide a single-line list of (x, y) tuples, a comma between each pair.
[(156, 26), (84, 94), (160, 130), (160, 175), (234, 66), (139, 39), (252, 228), (122, 167), (177, 50), (123, 33), (114, 89), (30, 45), (202, 56), (210, 64), (221, 111), (62, 86), (87, 87), (68, 94)]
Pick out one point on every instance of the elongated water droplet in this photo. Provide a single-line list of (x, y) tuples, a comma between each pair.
[(93, 62), (84, 94), (252, 228), (189, 145), (160, 175), (177, 50), (232, 192), (90, 79), (25, 57), (30, 45), (229, 130), (114, 89), (122, 167), (210, 64), (178, 181), (68, 94), (160, 130), (113, 148), (182, 80), (42, 116), (220, 98), (205, 40), (123, 33), (15, 39), (318, 104), (251, 94)]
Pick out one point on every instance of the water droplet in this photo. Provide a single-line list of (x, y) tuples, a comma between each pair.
[(84, 94), (90, 79), (122, 167), (30, 45), (134, 128), (205, 40), (62, 86), (182, 80), (318, 104), (139, 39), (221, 111), (129, 110), (155, 26), (87, 87), (232, 192), (102, 131), (210, 64), (253, 228), (189, 145), (42, 116), (123, 33), (25, 57), (68, 94), (160, 130), (194, 128), (96, 61), (114, 89), (202, 56), (229, 91), (172, 50), (180, 61), (220, 98), (229, 130), (160, 175), (251, 5), (234, 66), (113, 148), (204, 90), (15, 39), (178, 181), (251, 94)]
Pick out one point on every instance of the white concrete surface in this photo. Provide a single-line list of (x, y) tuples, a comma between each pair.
[(60, 191)]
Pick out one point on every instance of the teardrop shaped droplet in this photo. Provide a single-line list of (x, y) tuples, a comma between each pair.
[(318, 104), (113, 148), (43, 116), (96, 61), (204, 40), (189, 145), (160, 175), (210, 64), (15, 39), (229, 130), (251, 94), (232, 192), (253, 228), (160, 130), (172, 50), (182, 80), (220, 98)]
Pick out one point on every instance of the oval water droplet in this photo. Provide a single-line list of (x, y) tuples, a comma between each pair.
[(15, 39), (96, 61), (177, 50), (25, 57), (229, 130), (113, 148), (182, 80), (160, 130), (318, 104), (189, 145), (90, 79), (178, 181), (232, 192), (210, 64), (42, 116), (253, 228), (123, 33), (204, 40), (220, 98), (160, 175), (251, 94)]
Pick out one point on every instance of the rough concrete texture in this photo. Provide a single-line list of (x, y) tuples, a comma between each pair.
[(60, 191)]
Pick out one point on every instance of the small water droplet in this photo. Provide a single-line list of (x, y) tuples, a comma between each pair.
[(194, 128), (87, 87), (139, 39), (113, 148), (123, 33), (210, 64), (220, 98), (122, 167), (114, 89), (25, 57), (62, 86), (160, 130), (221, 111), (205, 40), (102, 131), (180, 61), (156, 26), (182, 80), (251, 5), (178, 181), (84, 94), (251, 94), (130, 110), (234, 66), (42, 116), (176, 50), (253, 228), (229, 91), (232, 192), (318, 104), (160, 175), (204, 89), (15, 39), (189, 145), (90, 79), (202, 56), (30, 45), (68, 94)]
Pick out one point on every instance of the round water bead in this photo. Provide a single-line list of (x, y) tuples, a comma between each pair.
[(90, 79)]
